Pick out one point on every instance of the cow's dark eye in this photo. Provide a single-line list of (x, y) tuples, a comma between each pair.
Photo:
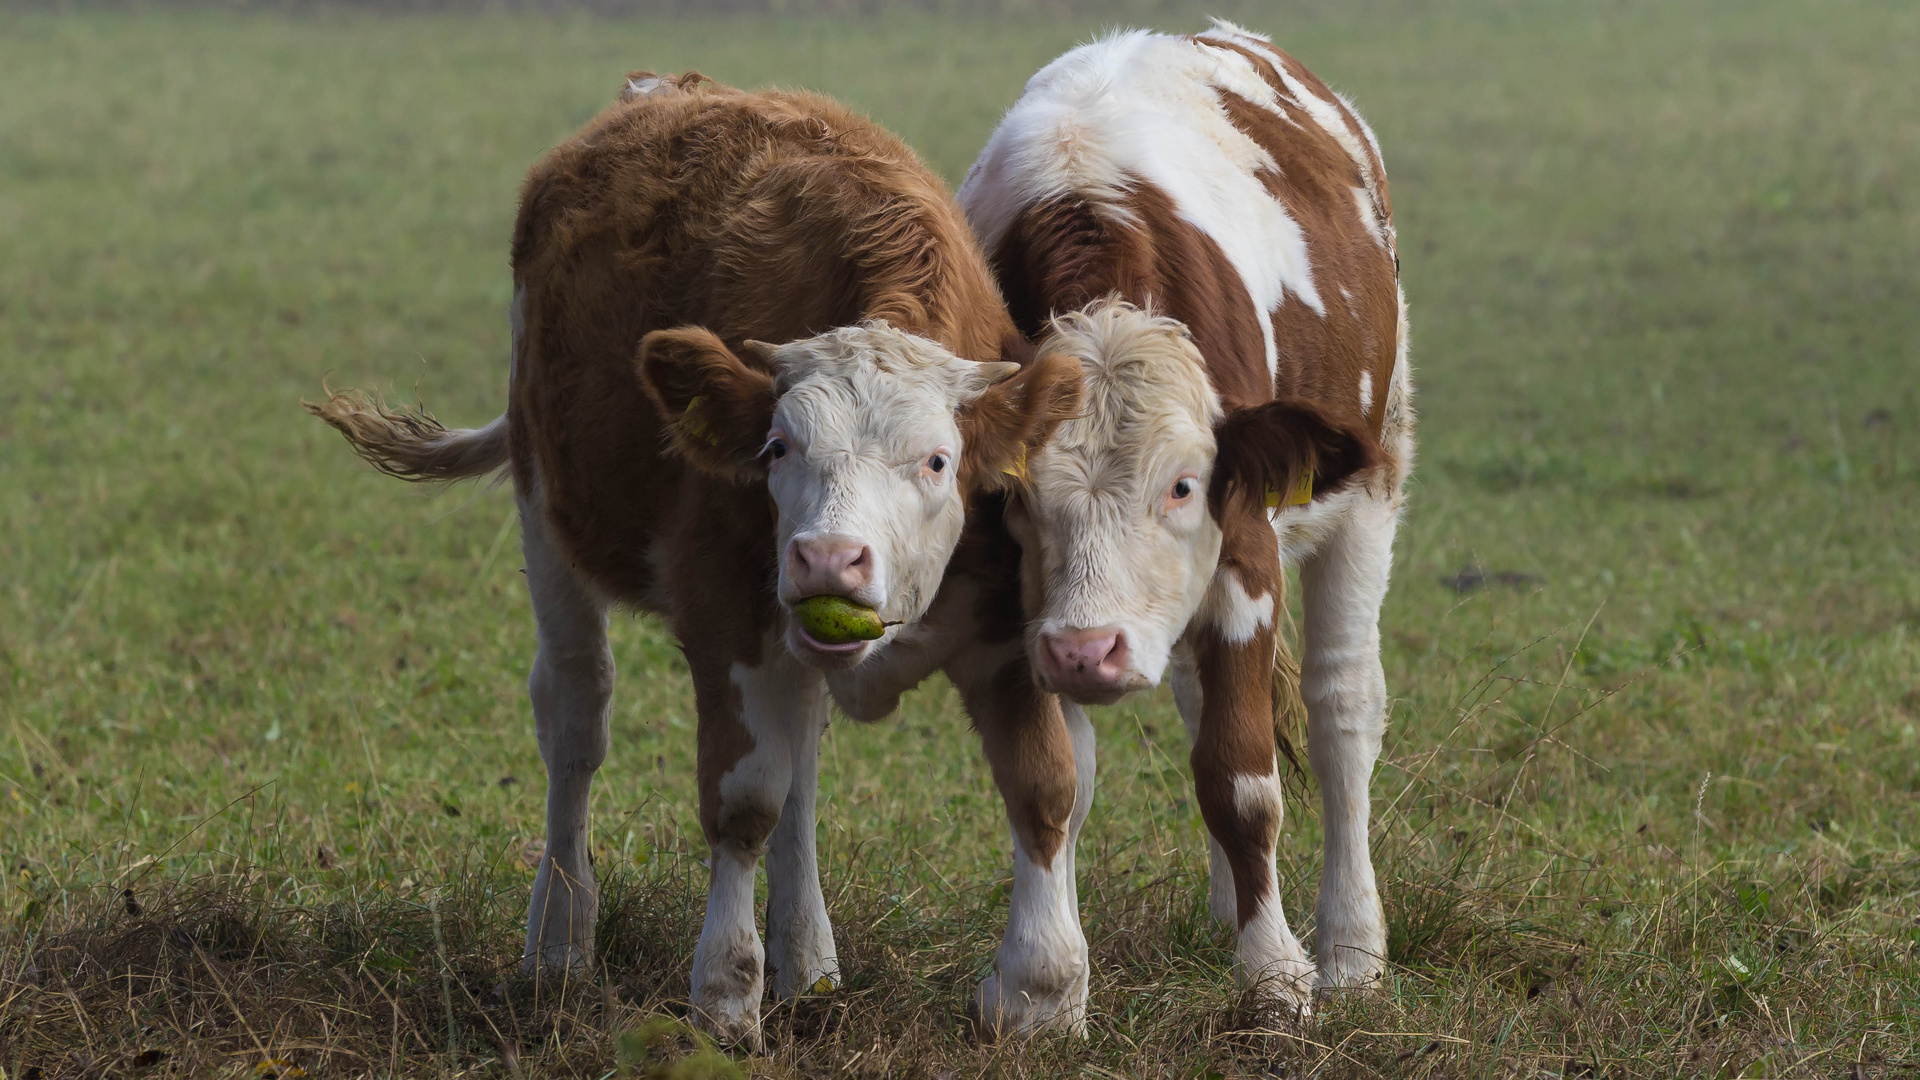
[(1182, 488), (937, 462), (777, 449)]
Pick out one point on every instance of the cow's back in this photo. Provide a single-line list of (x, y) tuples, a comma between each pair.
[(1216, 179), (767, 216)]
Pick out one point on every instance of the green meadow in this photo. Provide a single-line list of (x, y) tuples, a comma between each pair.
[(1650, 795)]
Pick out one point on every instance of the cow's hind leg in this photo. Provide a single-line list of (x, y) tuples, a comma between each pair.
[(759, 728), (1345, 689), (1042, 757), (571, 686)]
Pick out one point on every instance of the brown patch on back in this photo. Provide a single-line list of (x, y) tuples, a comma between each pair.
[(1064, 254), (1322, 357)]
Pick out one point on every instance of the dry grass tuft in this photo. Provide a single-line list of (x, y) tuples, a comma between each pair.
[(1729, 975)]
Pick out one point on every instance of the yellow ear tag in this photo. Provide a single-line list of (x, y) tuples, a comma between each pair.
[(696, 426), (1301, 495), (1018, 470)]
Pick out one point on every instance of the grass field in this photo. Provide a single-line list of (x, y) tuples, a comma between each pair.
[(1651, 791)]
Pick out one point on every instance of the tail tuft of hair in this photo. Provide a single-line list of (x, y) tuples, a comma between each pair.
[(411, 445)]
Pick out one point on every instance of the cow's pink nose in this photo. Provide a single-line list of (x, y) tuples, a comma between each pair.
[(835, 565), (1093, 660)]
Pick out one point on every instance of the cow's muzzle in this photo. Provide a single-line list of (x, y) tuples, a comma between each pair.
[(1090, 666)]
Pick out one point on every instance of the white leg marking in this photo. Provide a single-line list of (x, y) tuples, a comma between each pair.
[(1189, 697), (1039, 979), (799, 935), (1345, 690), (1085, 762), (1269, 958), (571, 687), (1253, 794), (1237, 614), (783, 706), (727, 963), (1267, 954)]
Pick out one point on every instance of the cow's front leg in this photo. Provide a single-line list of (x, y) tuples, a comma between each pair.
[(571, 687), (1043, 763), (759, 725), (800, 948), (1236, 773), (1222, 902), (1345, 690)]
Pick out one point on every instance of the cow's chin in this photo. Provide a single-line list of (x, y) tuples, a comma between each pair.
[(1096, 692), (819, 654)]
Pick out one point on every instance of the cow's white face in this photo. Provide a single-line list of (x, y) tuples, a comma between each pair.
[(863, 461), (1117, 522), (1116, 508)]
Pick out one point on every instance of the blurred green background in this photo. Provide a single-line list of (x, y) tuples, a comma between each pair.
[(1666, 329)]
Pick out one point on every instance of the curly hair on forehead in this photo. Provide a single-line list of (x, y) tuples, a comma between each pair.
[(1136, 364)]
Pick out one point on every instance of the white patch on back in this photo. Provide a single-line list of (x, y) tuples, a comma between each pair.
[(1366, 392), (1369, 215), (1139, 107), (1325, 113)]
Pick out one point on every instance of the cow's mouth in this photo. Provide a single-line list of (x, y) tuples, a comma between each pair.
[(815, 644)]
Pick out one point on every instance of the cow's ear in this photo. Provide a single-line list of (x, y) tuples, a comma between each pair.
[(1286, 452), (1015, 417), (717, 409)]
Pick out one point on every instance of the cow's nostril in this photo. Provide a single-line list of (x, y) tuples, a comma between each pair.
[(828, 564), (1096, 654)]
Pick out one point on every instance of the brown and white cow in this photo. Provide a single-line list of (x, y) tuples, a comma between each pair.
[(665, 460), (1213, 180)]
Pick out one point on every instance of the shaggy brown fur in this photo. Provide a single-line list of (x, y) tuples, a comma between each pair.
[(754, 216), (653, 253)]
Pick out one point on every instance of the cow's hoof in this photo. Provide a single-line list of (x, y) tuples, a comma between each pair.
[(1283, 1002), (557, 962), (1284, 987), (825, 983), (999, 1012), (728, 985), (732, 1024), (1349, 968), (1357, 979), (803, 965)]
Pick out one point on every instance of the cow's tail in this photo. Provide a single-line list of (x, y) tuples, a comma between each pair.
[(1289, 711), (412, 445)]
